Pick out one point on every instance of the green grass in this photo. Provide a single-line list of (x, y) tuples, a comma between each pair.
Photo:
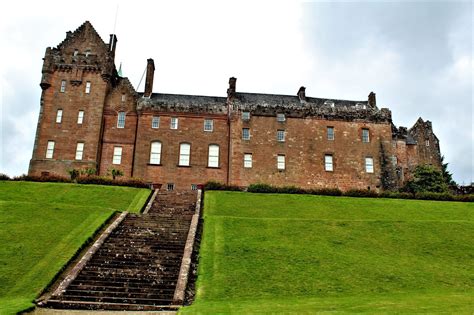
[(42, 225), (264, 253)]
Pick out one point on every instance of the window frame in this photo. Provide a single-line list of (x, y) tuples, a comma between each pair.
[(365, 131), (248, 163), (62, 88), (155, 122), (281, 117), (80, 117), (281, 162), (330, 136), (155, 156), (329, 163), (120, 121), (280, 135), (81, 151), (174, 123), (59, 116), (184, 159), (246, 134), (50, 149), (369, 167), (215, 164), (88, 87), (208, 123), (245, 115), (117, 155)]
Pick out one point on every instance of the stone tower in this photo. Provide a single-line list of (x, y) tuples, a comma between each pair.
[(77, 75)]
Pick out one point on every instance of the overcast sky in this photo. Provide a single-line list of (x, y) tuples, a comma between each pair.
[(416, 55)]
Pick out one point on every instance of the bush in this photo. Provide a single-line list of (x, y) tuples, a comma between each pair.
[(326, 191), (46, 178), (290, 190), (361, 193), (464, 198), (4, 177), (426, 179), (434, 196), (212, 185), (396, 195), (88, 171), (74, 173), (261, 188), (102, 180)]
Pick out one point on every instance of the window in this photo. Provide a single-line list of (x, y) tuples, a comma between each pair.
[(155, 122), (76, 52), (360, 106), (80, 117), (124, 97), (170, 186), (365, 135), (155, 152), (213, 159), (328, 165), (281, 135), (88, 87), (394, 160), (59, 116), (280, 162), (427, 142), (280, 117), (184, 154), (88, 52), (369, 165), (246, 116), (50, 150), (194, 187), (245, 134), (79, 150), (208, 124), (63, 86), (248, 160), (330, 132), (174, 123), (117, 159), (121, 120), (329, 103)]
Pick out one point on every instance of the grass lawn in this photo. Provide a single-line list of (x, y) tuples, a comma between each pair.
[(263, 253), (43, 224)]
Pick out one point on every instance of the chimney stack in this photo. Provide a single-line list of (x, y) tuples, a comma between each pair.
[(372, 102), (113, 44), (150, 72), (231, 89), (302, 94)]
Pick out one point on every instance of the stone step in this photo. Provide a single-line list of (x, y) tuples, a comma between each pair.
[(89, 305), (111, 299), (144, 294), (154, 284), (130, 289)]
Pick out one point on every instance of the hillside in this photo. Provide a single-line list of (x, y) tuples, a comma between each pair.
[(42, 225), (299, 253)]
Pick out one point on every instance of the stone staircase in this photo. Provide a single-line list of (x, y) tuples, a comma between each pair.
[(138, 265)]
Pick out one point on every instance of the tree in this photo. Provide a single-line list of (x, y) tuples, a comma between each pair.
[(427, 179), (448, 177), (116, 173)]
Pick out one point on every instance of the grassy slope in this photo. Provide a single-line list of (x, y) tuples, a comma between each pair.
[(289, 253), (41, 227)]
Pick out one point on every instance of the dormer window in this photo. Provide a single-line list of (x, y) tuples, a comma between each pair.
[(361, 106), (329, 103), (280, 117), (246, 116)]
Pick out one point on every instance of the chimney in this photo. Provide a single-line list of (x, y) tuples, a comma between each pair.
[(150, 72), (113, 44), (302, 94), (372, 102), (231, 89)]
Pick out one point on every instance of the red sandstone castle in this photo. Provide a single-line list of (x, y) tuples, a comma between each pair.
[(91, 117)]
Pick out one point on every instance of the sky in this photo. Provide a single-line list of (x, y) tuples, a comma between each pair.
[(417, 56)]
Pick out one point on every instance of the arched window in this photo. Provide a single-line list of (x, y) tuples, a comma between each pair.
[(213, 159), (184, 154), (155, 152)]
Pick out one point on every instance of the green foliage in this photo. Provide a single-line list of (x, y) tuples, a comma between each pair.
[(102, 180), (43, 225), (74, 173), (88, 171), (448, 177), (302, 254), (4, 177), (361, 193), (426, 179), (115, 173), (213, 185)]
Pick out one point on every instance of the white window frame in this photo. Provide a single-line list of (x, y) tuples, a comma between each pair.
[(155, 122), (117, 158), (330, 133), (155, 152), (88, 87), (245, 133), (184, 154), (174, 123), (50, 150), (124, 98), (281, 117), (328, 163), (63, 86), (208, 125), (59, 116), (281, 135), (365, 135), (281, 163), (80, 117), (246, 116), (213, 156), (247, 160), (121, 119), (79, 150), (369, 164)]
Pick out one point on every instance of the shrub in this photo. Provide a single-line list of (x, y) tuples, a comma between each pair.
[(74, 173), (426, 179), (102, 180), (4, 177), (88, 171), (361, 193), (261, 188), (464, 198), (46, 178), (326, 191), (116, 173), (434, 196), (290, 190), (132, 182), (396, 195), (212, 185)]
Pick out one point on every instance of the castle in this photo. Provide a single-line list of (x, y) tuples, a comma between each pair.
[(91, 117)]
